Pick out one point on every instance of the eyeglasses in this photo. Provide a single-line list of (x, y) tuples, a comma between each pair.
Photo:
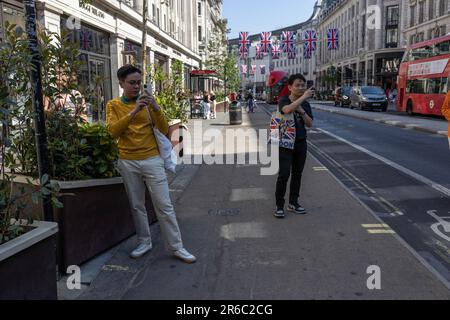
[(134, 82)]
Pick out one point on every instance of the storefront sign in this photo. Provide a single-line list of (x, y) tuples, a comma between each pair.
[(91, 9)]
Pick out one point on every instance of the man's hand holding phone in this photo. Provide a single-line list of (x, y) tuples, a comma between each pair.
[(309, 93)]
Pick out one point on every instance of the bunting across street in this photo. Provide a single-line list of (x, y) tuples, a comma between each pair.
[(266, 41)]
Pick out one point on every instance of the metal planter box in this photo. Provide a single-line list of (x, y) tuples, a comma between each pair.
[(94, 219), (28, 265)]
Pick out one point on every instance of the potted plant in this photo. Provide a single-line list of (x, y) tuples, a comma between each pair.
[(27, 247), (95, 215)]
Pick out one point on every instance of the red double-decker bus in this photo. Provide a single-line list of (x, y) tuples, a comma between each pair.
[(277, 86), (423, 79)]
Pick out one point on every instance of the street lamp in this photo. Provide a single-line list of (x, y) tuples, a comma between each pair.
[(38, 101)]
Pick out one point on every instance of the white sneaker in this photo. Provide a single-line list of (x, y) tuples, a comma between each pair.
[(141, 250), (185, 256)]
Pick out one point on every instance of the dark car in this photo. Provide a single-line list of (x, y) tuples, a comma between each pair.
[(368, 97), (342, 97)]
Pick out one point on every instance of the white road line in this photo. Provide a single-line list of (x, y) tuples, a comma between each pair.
[(380, 231), (436, 186)]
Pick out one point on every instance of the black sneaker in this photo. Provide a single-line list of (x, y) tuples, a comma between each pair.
[(279, 213), (295, 207)]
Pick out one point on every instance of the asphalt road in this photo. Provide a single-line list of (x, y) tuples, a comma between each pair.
[(425, 154)]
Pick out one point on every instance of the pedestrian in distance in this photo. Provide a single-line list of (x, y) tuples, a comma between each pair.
[(446, 113), (212, 98), (130, 119), (250, 103), (293, 161), (206, 106)]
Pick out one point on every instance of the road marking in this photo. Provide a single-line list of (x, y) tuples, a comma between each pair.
[(436, 186), (368, 226), (320, 169), (378, 228), (380, 231)]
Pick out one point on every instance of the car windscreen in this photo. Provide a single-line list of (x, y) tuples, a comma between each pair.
[(372, 90), (346, 91)]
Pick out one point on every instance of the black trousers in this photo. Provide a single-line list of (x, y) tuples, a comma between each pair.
[(291, 161)]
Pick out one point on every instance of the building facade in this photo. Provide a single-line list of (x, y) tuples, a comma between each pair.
[(371, 43), (110, 34), (425, 19)]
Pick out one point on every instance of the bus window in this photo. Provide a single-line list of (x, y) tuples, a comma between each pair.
[(422, 53), (416, 86), (443, 47), (444, 85), (434, 86)]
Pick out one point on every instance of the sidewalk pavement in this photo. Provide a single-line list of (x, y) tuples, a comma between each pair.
[(434, 126), (225, 214)]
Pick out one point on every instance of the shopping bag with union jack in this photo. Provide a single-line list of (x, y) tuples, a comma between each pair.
[(282, 130)]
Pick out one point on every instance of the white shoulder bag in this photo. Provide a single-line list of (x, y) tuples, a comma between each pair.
[(165, 148)]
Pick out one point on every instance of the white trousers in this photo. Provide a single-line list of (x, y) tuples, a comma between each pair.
[(152, 172)]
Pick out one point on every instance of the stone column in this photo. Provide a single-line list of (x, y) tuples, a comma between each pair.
[(116, 48)]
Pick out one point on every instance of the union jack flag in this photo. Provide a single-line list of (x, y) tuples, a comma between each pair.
[(266, 41), (243, 53), (262, 69), (244, 69), (244, 41), (287, 41), (275, 123), (259, 52), (289, 133), (292, 54), (85, 39), (253, 69), (307, 54), (333, 39), (276, 51), (310, 38)]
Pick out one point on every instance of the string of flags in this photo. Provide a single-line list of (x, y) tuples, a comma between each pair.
[(286, 45)]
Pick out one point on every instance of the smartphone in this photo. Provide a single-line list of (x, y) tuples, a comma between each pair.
[(148, 89)]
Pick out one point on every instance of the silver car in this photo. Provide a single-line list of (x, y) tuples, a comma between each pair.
[(368, 97)]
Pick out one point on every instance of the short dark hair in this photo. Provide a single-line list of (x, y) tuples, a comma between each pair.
[(126, 70), (294, 77)]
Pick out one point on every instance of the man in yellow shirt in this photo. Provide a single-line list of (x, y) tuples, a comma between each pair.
[(446, 112), (128, 120)]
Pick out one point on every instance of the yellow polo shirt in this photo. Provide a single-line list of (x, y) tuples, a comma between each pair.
[(136, 139)]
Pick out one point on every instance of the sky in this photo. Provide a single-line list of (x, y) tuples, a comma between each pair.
[(256, 16)]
